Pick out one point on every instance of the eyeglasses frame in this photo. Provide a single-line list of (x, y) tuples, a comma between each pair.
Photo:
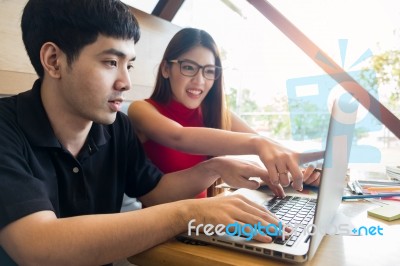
[(199, 67)]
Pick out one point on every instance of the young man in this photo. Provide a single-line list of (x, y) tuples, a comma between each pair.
[(68, 155)]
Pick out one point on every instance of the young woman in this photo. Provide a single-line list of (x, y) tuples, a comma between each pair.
[(186, 119)]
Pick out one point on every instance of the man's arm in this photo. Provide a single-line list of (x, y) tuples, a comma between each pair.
[(42, 239)]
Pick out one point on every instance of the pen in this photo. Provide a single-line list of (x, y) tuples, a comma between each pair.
[(383, 189), (378, 183), (351, 187), (357, 187), (368, 196)]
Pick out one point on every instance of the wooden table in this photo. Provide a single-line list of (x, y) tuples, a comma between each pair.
[(334, 249)]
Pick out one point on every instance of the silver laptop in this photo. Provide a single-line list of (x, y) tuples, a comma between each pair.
[(313, 214)]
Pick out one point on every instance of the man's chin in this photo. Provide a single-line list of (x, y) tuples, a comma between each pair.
[(107, 119)]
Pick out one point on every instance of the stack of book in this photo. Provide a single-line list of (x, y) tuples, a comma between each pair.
[(393, 172), (362, 189)]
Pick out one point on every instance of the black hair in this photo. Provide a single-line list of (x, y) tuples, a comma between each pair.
[(73, 24)]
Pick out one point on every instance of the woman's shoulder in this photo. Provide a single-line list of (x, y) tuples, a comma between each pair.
[(140, 108), (140, 104)]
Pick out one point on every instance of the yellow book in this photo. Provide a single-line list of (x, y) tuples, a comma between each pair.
[(388, 213)]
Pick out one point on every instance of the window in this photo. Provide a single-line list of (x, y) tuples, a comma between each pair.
[(144, 5), (262, 67)]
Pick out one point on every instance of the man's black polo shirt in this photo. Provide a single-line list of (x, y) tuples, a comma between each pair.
[(37, 173)]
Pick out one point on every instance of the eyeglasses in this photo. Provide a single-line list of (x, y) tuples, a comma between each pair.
[(189, 68)]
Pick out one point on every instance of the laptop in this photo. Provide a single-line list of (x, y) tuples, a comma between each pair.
[(314, 212)]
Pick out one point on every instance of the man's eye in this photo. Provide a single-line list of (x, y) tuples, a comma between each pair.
[(130, 67), (112, 63)]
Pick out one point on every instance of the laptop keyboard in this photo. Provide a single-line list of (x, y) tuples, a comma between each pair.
[(296, 212)]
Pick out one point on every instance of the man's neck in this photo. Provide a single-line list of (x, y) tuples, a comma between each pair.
[(70, 130)]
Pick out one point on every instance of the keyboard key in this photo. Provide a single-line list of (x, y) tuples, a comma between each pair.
[(280, 241), (290, 243)]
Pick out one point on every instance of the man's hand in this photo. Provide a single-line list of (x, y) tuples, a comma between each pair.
[(231, 209), (236, 173)]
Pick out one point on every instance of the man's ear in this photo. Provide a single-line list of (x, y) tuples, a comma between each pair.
[(50, 58), (165, 68)]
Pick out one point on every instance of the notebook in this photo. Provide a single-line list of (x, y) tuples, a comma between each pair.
[(317, 210)]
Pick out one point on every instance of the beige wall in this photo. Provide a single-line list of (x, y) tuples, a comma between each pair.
[(155, 35), (17, 74)]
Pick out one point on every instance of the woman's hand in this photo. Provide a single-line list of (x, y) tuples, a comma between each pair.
[(312, 176), (236, 173), (282, 163)]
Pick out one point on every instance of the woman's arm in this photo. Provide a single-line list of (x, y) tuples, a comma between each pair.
[(150, 124), (279, 160)]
